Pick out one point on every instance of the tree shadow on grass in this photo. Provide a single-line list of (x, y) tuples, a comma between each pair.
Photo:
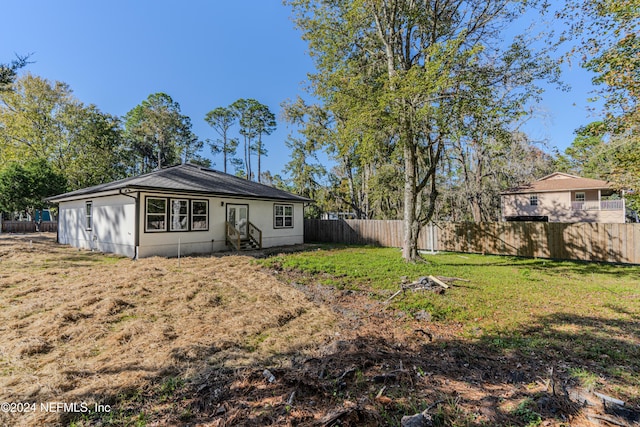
[(547, 266), (607, 348), (551, 267), (623, 311), (460, 381), (373, 377)]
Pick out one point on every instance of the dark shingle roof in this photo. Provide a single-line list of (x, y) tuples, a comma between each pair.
[(188, 178)]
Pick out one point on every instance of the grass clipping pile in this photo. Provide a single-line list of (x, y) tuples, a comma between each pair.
[(85, 327)]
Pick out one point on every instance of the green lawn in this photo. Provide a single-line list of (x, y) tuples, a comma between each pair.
[(585, 313)]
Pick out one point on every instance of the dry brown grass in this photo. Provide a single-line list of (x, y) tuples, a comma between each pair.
[(81, 326)]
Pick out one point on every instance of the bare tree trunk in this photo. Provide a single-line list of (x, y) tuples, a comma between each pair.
[(224, 152), (259, 154), (410, 223), (249, 172), (366, 174), (355, 198), (224, 156), (246, 160)]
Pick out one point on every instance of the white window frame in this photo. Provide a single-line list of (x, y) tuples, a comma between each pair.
[(184, 223), (147, 214), (584, 196), (282, 215), (88, 210), (533, 200), (204, 215)]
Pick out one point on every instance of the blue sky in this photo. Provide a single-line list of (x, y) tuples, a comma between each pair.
[(204, 54)]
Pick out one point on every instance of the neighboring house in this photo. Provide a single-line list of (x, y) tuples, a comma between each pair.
[(183, 208), (561, 197)]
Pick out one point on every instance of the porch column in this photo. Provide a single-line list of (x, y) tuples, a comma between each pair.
[(599, 201)]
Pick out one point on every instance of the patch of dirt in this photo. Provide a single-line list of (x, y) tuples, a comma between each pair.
[(383, 365)]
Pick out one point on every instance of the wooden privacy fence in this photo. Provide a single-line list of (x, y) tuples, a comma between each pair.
[(363, 232), (28, 226), (580, 241)]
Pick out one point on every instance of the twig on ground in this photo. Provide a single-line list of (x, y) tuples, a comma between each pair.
[(423, 332), (394, 295)]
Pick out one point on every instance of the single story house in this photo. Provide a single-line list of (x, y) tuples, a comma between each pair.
[(561, 197), (184, 209)]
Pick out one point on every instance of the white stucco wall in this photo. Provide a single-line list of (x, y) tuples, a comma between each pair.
[(260, 212), (112, 228)]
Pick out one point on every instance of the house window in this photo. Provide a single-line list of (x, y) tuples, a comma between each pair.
[(580, 197), (199, 215), (179, 215), (168, 214), (282, 216), (533, 200), (156, 214), (89, 215)]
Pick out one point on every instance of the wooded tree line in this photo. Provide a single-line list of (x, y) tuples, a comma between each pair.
[(420, 107), (255, 121), (50, 142), (421, 102), (470, 176)]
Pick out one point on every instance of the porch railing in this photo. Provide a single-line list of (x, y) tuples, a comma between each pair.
[(232, 236), (255, 234), (612, 205), (602, 205)]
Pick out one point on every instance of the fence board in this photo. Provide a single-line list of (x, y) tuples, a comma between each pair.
[(581, 241), (28, 226), (636, 245)]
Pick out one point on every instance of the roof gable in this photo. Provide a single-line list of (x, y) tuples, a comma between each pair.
[(558, 175), (189, 178)]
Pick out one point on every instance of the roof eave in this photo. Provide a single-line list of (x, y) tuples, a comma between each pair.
[(294, 198), (533, 190), (135, 188), (68, 197)]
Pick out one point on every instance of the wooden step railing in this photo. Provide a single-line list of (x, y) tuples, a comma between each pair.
[(255, 234), (232, 236)]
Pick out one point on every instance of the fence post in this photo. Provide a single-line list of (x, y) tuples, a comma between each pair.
[(432, 237)]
